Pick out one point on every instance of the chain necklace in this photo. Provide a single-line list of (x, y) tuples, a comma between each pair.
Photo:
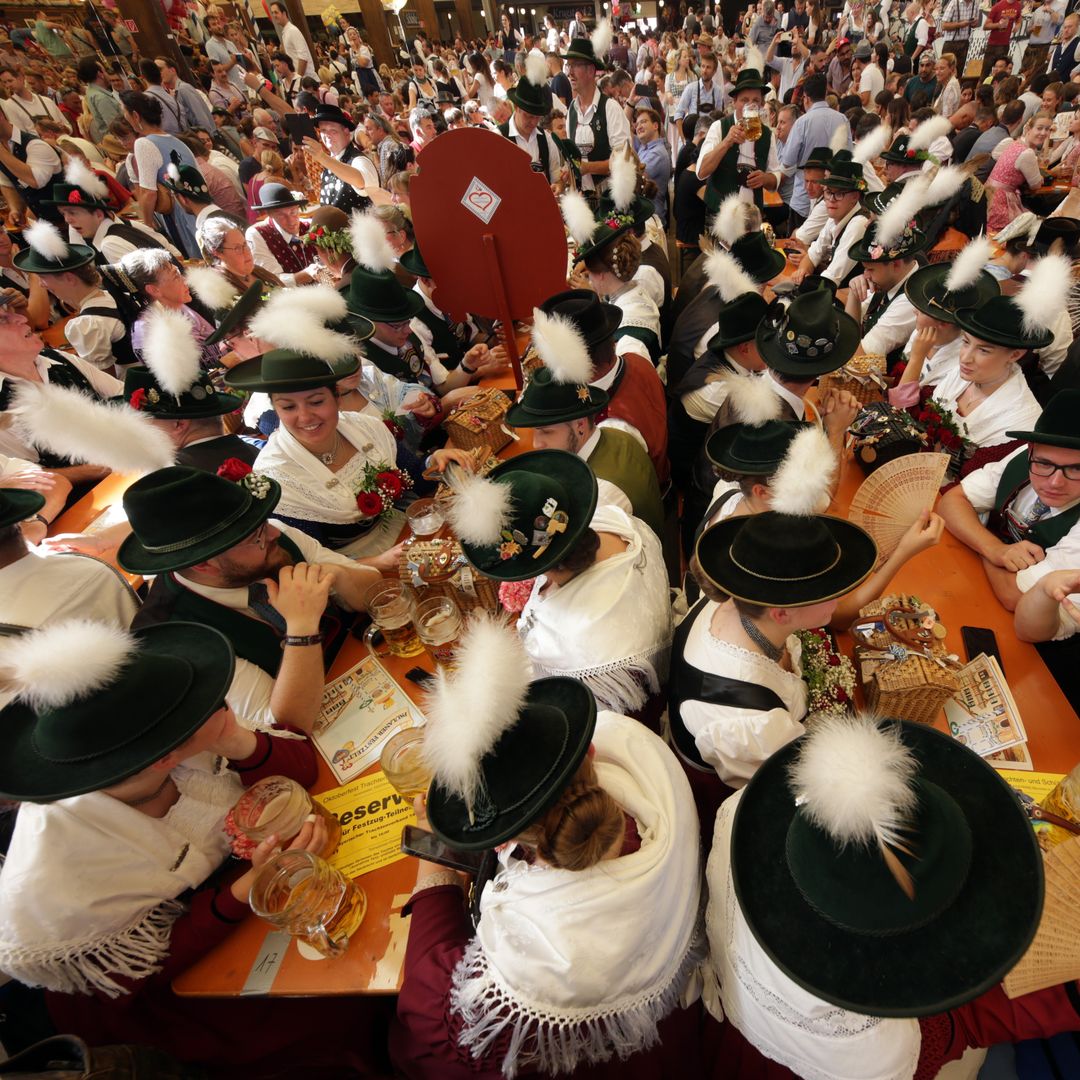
[(773, 652), (328, 458), (152, 796)]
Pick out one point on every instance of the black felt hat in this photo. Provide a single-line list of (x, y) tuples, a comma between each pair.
[(845, 176), (595, 320), (143, 392), (76, 197), (1001, 322), (782, 560), (737, 321), (186, 180), (530, 98), (1065, 229), (546, 486), (640, 209), (926, 291), (876, 201), (607, 231), (284, 371), (278, 197), (838, 924), (906, 246), (899, 154), (233, 320), (582, 49), (17, 505), (748, 79), (545, 401), (380, 297), (1058, 423), (170, 684), (752, 449), (811, 336), (180, 517), (758, 257), (331, 114), (525, 772), (820, 158), (413, 261), (34, 260)]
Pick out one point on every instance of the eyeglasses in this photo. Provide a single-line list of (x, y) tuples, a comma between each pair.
[(1042, 467), (831, 195), (234, 247), (258, 538), (399, 325)]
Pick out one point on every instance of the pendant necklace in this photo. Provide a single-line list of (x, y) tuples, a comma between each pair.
[(328, 458), (773, 652)]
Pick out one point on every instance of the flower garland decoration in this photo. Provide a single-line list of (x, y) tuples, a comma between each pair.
[(242, 845), (240, 472), (381, 486), (514, 595), (335, 240), (829, 677)]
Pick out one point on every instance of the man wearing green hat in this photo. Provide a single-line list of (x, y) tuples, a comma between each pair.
[(731, 160), (190, 189), (532, 102), (829, 254)]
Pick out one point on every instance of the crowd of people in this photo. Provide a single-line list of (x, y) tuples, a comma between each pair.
[(211, 283)]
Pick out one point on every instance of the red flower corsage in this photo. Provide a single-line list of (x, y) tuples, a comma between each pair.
[(369, 503), (138, 399), (390, 482), (75, 197), (233, 469)]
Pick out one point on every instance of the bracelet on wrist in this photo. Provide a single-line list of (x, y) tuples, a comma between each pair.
[(302, 639), (468, 370)]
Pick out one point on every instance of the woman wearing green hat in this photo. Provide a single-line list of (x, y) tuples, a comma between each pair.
[(124, 766), (587, 934)]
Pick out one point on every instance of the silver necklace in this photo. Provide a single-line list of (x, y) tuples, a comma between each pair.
[(153, 794), (328, 458), (773, 652)]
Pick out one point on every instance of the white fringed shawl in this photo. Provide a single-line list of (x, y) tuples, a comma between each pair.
[(88, 892), (609, 627), (579, 965)]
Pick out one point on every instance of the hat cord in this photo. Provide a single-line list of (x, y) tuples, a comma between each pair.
[(770, 577), (164, 549)]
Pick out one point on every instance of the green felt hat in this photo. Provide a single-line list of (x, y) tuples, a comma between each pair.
[(76, 197), (143, 392), (926, 291), (758, 257), (738, 321), (525, 772), (530, 98), (378, 296), (899, 154), (284, 371), (31, 261), (186, 180), (752, 449), (1058, 423), (820, 158), (544, 483), (545, 401), (582, 49), (233, 320), (608, 230), (779, 560), (876, 201), (639, 211), (837, 923), (906, 246), (413, 261), (809, 337), (180, 517), (595, 320), (1001, 322), (173, 681), (845, 176), (17, 505), (748, 79)]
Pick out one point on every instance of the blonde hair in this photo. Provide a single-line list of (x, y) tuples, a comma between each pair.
[(271, 162)]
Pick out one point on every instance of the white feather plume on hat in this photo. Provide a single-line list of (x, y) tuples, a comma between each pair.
[(725, 273), (968, 265), (469, 709), (562, 347), (902, 210), (730, 221), (601, 38), (480, 509), (840, 138), (211, 287), (536, 67), (80, 174), (802, 484), (44, 237), (29, 663), (170, 350), (71, 424), (751, 398), (752, 59), (853, 778), (580, 223), (295, 318), (872, 144), (370, 246), (622, 181), (1043, 298), (928, 132), (946, 182)]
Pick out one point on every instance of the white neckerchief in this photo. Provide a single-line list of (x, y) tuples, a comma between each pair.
[(605, 382), (88, 892), (796, 402), (589, 445), (610, 626), (542, 971), (309, 490)]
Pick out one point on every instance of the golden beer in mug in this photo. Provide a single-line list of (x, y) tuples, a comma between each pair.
[(751, 122), (391, 606)]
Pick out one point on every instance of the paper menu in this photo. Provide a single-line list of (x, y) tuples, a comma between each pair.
[(359, 711), (982, 714)]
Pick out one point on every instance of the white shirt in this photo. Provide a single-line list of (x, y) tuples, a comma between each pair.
[(746, 156), (251, 688), (265, 258), (872, 79), (940, 363), (296, 48), (25, 113), (42, 159), (531, 146), (115, 247), (618, 128), (896, 323), (93, 336), (833, 243), (435, 366), (811, 228)]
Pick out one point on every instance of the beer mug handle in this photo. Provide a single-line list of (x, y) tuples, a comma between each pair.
[(381, 649), (321, 940)]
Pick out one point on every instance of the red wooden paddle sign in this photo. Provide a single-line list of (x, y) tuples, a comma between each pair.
[(489, 230)]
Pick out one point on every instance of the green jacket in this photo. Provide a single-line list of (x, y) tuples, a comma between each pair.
[(619, 459)]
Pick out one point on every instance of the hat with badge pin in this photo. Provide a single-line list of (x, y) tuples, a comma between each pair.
[(186, 180), (809, 337)]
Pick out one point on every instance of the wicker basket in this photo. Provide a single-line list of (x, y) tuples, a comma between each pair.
[(863, 376), (484, 461), (480, 421), (897, 680), (437, 567)]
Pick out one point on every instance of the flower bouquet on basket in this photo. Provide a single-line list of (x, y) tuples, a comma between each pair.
[(381, 487), (829, 676)]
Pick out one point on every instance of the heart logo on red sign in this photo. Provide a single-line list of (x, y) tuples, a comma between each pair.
[(480, 199)]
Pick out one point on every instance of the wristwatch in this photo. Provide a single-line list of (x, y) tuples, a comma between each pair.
[(38, 517)]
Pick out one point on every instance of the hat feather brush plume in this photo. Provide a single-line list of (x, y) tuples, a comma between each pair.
[(751, 399), (601, 39), (731, 220), (725, 274), (80, 175), (752, 59), (623, 178), (854, 780), (211, 288), (170, 350), (370, 245), (296, 319), (536, 67), (841, 137), (29, 668), (580, 223), (562, 347), (946, 182), (968, 265), (44, 238), (802, 485), (928, 133), (871, 145), (1045, 295), (71, 424), (899, 214)]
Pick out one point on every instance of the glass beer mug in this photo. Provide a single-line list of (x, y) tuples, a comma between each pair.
[(751, 121)]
